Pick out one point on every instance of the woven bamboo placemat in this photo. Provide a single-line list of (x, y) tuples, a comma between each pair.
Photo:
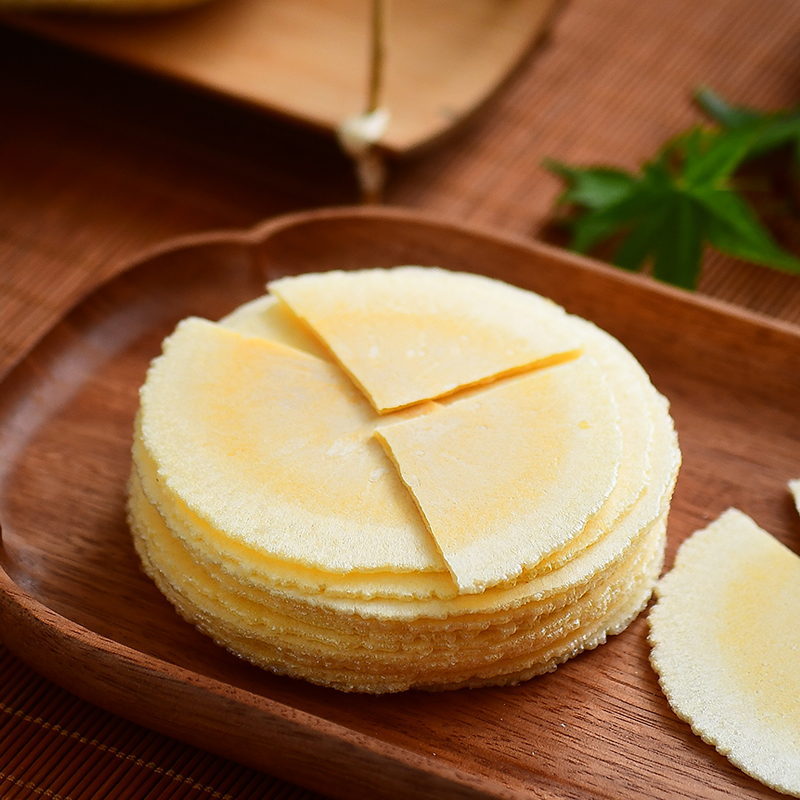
[(610, 85), (52, 744)]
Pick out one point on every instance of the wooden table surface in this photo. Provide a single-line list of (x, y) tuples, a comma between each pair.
[(98, 163)]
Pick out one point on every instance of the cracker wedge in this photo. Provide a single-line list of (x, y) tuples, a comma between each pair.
[(509, 475), (274, 448), (725, 635), (411, 334), (267, 318)]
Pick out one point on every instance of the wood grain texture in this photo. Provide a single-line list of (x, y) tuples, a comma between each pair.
[(309, 59), (76, 605)]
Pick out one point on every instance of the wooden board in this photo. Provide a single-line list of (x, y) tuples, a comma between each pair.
[(308, 59), (75, 605)]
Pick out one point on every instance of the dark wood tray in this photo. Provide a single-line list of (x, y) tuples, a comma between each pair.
[(75, 605)]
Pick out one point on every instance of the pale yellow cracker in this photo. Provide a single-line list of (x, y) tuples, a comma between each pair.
[(267, 318), (257, 568), (511, 474), (268, 512), (410, 334), (279, 635), (726, 645), (274, 448)]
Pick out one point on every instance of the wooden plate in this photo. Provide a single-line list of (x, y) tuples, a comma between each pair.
[(308, 59), (75, 605)]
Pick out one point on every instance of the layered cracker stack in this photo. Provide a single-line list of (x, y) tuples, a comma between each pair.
[(407, 478)]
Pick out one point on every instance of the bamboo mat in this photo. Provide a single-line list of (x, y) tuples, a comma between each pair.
[(610, 85), (53, 744)]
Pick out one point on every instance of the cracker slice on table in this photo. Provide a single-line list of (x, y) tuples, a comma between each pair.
[(725, 635)]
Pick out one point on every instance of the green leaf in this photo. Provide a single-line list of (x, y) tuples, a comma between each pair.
[(657, 174), (719, 109), (684, 198), (593, 187), (592, 228), (679, 250), (598, 224), (641, 241), (713, 157), (775, 129), (735, 229)]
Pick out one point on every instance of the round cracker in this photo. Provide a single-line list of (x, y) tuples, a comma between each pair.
[(725, 635)]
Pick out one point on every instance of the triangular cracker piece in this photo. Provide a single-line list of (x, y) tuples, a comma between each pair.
[(273, 448), (410, 334), (726, 645), (508, 475)]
